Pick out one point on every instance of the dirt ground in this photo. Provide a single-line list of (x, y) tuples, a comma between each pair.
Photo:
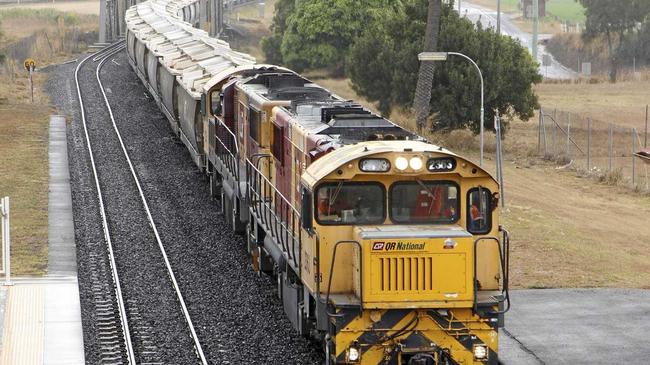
[(79, 7)]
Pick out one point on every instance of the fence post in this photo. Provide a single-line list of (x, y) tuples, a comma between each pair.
[(634, 136), (588, 144), (544, 131), (555, 137), (568, 138), (555, 124), (610, 141), (645, 135), (6, 239), (539, 131)]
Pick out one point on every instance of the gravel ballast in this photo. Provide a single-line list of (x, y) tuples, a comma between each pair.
[(237, 315)]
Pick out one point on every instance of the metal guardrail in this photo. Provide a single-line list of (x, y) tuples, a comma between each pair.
[(6, 240)]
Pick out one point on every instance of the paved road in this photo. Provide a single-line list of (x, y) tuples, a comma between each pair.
[(577, 326), (488, 18)]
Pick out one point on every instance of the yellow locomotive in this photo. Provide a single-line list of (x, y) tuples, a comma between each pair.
[(386, 248)]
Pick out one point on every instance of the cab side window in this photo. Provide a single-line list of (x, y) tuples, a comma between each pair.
[(255, 126), (479, 211), (215, 103)]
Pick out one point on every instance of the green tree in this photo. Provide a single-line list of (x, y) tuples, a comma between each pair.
[(383, 67), (271, 46), (318, 34), (616, 21)]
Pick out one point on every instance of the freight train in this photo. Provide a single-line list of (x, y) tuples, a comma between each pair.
[(387, 249)]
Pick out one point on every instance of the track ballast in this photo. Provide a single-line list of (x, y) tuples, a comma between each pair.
[(237, 314), (148, 300)]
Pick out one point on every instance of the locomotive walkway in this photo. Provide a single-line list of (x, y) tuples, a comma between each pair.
[(41, 317)]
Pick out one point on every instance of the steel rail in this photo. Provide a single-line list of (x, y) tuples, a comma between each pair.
[(152, 224), (108, 51)]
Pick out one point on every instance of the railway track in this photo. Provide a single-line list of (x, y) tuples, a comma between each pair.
[(142, 317)]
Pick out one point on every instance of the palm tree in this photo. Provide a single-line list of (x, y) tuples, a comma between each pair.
[(425, 76)]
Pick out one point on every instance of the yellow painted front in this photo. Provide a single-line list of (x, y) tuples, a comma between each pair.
[(346, 267), (409, 277), (467, 175), (437, 335)]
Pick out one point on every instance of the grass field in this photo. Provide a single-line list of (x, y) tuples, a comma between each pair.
[(24, 125), (566, 10), (24, 172), (78, 7), (621, 103), (20, 22), (567, 231), (556, 11)]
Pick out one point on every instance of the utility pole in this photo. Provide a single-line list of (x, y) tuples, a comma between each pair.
[(498, 16), (535, 27), (459, 1)]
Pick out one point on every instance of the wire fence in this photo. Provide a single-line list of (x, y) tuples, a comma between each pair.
[(606, 150)]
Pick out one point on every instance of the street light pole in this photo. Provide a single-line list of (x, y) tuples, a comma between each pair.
[(442, 56)]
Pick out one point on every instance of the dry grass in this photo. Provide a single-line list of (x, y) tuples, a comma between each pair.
[(24, 172), (78, 7), (48, 36), (546, 25), (19, 23), (621, 103)]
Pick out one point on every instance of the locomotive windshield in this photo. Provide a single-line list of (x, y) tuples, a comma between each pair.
[(350, 203), (424, 202)]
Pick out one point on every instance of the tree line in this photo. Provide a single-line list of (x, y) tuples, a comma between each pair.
[(376, 42), (625, 27)]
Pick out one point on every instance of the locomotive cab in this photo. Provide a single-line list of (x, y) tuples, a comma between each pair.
[(402, 236)]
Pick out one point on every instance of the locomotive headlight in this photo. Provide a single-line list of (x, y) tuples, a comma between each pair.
[(401, 163), (374, 165), (415, 163), (480, 352), (354, 354)]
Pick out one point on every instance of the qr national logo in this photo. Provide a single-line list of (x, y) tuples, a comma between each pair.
[(378, 246)]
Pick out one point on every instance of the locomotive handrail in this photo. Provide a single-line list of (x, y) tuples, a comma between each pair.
[(329, 280), (270, 183), (230, 159), (504, 258), (506, 265), (234, 136), (275, 217)]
